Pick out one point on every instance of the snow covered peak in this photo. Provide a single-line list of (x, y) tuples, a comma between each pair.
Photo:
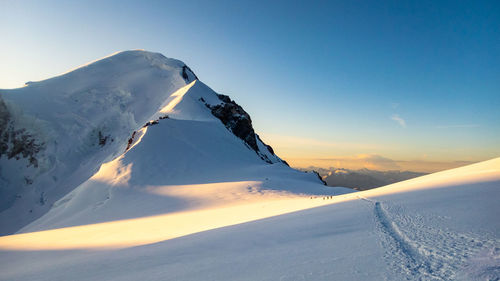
[(56, 133), (197, 101), (93, 105), (117, 66)]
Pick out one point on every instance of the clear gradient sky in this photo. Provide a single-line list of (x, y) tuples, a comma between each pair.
[(377, 84)]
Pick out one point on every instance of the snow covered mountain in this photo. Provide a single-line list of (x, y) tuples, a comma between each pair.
[(130, 168), (55, 134)]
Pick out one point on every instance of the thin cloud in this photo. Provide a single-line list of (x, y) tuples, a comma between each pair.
[(399, 120), (377, 162), (368, 161)]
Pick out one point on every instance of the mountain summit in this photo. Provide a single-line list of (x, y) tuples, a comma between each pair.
[(147, 114)]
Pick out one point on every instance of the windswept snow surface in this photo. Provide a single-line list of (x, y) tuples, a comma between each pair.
[(442, 226)]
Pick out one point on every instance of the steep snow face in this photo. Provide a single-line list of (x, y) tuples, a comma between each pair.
[(54, 134), (234, 117)]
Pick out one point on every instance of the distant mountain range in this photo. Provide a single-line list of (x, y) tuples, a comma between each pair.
[(362, 179)]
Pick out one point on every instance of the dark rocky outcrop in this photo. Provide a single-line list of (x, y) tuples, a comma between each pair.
[(151, 123), (236, 120), (155, 122), (16, 143), (130, 141), (185, 76), (103, 139), (148, 124), (226, 99)]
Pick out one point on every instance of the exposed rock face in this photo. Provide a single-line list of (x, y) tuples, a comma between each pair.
[(236, 120), (103, 139), (270, 149), (16, 143), (185, 76), (148, 124), (130, 141), (4, 134)]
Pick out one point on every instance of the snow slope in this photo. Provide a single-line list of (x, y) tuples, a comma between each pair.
[(442, 226), (188, 191), (55, 134), (187, 161)]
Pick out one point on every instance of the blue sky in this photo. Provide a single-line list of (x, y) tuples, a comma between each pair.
[(399, 80)]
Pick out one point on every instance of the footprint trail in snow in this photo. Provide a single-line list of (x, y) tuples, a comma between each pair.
[(415, 250)]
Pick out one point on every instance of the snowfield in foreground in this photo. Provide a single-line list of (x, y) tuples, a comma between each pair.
[(439, 227), (130, 168)]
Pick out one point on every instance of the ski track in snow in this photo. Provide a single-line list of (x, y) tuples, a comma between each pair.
[(415, 250)]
